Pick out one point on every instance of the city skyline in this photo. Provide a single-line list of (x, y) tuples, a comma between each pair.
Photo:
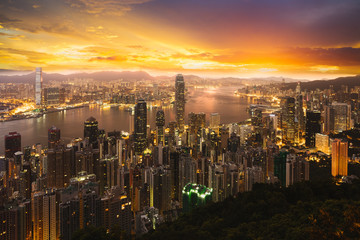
[(167, 165), (169, 119), (305, 39)]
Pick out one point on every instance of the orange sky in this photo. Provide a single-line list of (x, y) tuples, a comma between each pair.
[(241, 38)]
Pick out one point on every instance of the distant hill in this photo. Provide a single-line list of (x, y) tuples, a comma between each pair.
[(11, 76), (97, 76), (325, 84)]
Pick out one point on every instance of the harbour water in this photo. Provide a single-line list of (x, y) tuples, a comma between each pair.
[(208, 100)]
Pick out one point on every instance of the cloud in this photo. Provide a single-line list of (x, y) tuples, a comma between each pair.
[(6, 20), (5, 34), (268, 70), (195, 56), (345, 56), (104, 7), (324, 68), (98, 50), (63, 27), (112, 58), (31, 56), (260, 23), (140, 47)]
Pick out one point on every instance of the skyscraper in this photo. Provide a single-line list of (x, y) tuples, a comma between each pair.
[(288, 119), (58, 167), (51, 96), (214, 120), (160, 188), (196, 121), (180, 101), (313, 126), (12, 144), (256, 116), (44, 215), (280, 167), (140, 126), (342, 116), (160, 123), (38, 86), (91, 129), (297, 169), (329, 119), (339, 158), (322, 143), (187, 171), (299, 114), (53, 136)]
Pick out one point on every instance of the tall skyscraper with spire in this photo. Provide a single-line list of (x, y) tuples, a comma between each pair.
[(140, 125), (180, 101), (38, 86)]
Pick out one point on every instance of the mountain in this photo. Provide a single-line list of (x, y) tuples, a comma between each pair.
[(97, 76), (130, 76), (325, 84)]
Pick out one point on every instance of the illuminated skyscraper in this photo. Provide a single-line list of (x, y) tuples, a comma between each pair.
[(197, 120), (91, 130), (256, 117), (180, 101), (187, 171), (195, 195), (288, 119), (38, 86), (342, 116), (12, 144), (140, 126), (339, 159), (44, 215), (53, 136), (313, 126), (58, 167), (329, 119), (299, 115), (297, 169), (160, 123), (51, 96), (214, 120), (115, 210), (160, 188), (131, 121), (322, 143)]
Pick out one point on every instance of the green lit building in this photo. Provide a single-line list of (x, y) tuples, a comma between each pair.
[(280, 167), (195, 195)]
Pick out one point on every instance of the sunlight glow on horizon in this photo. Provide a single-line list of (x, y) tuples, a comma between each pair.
[(108, 36)]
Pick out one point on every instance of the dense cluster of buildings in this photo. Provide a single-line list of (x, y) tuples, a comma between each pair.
[(136, 181)]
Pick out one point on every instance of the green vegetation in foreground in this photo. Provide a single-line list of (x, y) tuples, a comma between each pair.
[(308, 210)]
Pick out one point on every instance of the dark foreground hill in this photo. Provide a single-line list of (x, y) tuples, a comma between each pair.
[(303, 211)]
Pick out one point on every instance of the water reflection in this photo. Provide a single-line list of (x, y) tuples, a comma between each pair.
[(221, 100)]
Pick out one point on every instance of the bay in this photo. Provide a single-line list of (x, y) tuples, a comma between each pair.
[(71, 122)]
